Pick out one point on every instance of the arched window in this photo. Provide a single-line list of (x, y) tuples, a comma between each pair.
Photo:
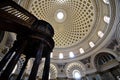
[(71, 54), (81, 50), (76, 74), (100, 34), (91, 44), (107, 19), (61, 56), (106, 1)]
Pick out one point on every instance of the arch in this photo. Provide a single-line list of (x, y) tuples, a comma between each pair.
[(103, 58), (76, 74), (52, 73), (75, 66), (103, 50), (108, 51), (117, 36)]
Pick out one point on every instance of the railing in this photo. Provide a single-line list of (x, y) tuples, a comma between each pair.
[(14, 15), (34, 39)]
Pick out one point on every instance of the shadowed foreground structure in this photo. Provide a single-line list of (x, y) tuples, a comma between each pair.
[(34, 40)]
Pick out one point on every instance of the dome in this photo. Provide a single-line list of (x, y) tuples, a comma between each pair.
[(87, 41), (72, 20), (80, 25)]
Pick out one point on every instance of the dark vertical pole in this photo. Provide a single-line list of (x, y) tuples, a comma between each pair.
[(6, 58), (8, 55), (36, 63), (6, 73), (46, 68), (23, 69)]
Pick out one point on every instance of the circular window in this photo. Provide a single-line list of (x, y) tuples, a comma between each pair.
[(60, 15)]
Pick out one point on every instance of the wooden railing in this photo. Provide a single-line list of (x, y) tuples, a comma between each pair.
[(15, 16), (34, 39)]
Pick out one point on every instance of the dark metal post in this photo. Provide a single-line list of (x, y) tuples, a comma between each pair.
[(46, 68), (7, 56), (36, 63), (5, 75)]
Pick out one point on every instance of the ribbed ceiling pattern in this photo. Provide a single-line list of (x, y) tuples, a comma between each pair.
[(79, 18), (74, 66)]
